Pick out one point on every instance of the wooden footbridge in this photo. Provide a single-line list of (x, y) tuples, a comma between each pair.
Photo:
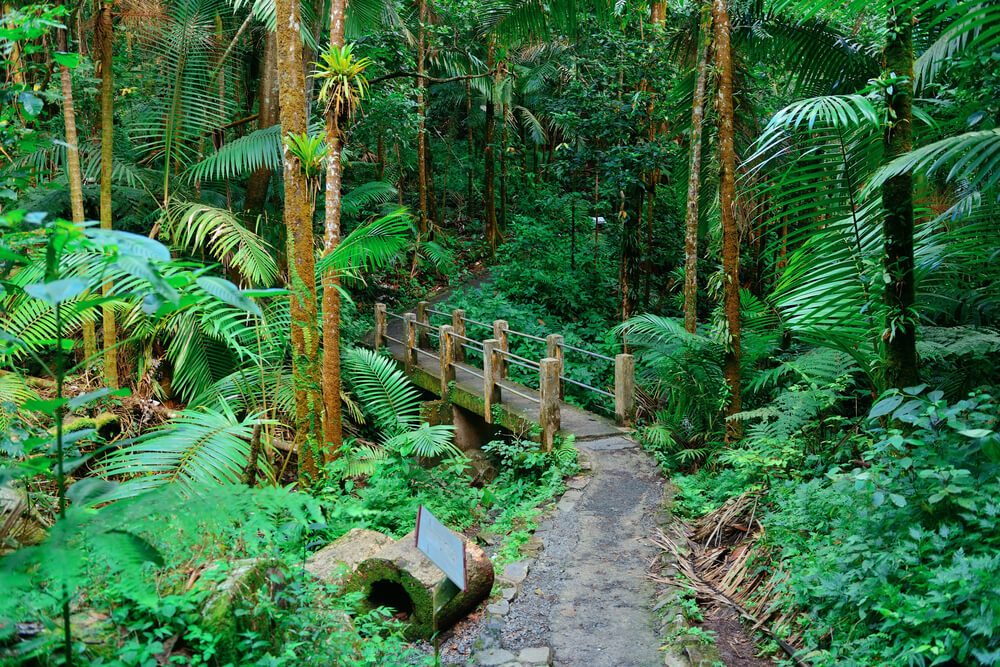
[(442, 353)]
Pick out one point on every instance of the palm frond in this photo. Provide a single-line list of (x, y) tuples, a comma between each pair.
[(197, 449), (242, 156), (218, 232), (383, 391)]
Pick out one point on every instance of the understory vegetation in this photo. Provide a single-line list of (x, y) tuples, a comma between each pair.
[(784, 210)]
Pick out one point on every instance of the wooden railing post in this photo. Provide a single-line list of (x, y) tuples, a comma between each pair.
[(447, 354), (624, 388), (491, 373), (500, 329), (410, 336), (424, 320), (548, 410), (553, 344), (381, 325), (458, 324)]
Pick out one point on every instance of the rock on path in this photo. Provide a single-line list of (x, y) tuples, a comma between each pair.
[(587, 596)]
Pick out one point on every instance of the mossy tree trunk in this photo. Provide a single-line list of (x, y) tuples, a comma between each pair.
[(727, 203), (694, 178), (489, 166), (900, 363), (267, 105), (103, 34), (299, 235), (333, 436), (74, 175)]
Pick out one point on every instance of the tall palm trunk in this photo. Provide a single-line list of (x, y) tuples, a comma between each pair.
[(422, 118), (489, 187), (267, 106), (471, 140), (900, 364), (694, 180), (727, 200), (299, 235), (104, 38), (503, 167), (333, 435), (75, 176)]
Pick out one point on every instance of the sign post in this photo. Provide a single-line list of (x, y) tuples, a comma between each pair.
[(443, 547), (446, 550)]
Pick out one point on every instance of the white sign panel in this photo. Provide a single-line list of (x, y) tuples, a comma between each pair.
[(444, 548)]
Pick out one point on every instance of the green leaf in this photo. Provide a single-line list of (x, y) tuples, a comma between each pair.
[(90, 491), (897, 500), (130, 548), (45, 406), (885, 406), (227, 292), (976, 432), (32, 103), (78, 401), (57, 291), (128, 243), (70, 60)]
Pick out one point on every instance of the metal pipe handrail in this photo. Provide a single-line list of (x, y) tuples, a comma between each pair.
[(394, 340), (515, 391), (527, 335), (423, 324), (482, 324), (518, 363), (471, 347), (471, 340), (586, 386), (580, 349), (436, 312), (429, 354), (398, 317), (508, 353), (469, 371)]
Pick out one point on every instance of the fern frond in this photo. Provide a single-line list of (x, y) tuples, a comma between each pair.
[(198, 448)]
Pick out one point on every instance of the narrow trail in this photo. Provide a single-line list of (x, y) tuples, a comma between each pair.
[(585, 599), (587, 595)]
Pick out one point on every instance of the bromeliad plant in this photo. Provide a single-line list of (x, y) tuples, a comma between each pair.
[(344, 83)]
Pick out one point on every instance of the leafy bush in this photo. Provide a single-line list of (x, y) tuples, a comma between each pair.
[(897, 559)]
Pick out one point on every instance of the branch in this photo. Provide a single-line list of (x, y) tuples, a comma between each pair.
[(430, 79)]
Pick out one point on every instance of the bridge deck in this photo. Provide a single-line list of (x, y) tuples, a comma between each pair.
[(516, 409)]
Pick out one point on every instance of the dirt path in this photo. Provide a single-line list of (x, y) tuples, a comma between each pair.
[(586, 596)]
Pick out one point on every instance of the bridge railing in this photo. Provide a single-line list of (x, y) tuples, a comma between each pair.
[(448, 343)]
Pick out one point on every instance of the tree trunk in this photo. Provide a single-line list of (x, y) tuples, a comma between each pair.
[(471, 138), (727, 202), (900, 364), (333, 435), (103, 34), (694, 182), (299, 235), (631, 251), (75, 178), (267, 107), (503, 168), (489, 189), (422, 121)]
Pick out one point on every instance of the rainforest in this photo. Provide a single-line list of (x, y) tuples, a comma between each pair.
[(500, 332)]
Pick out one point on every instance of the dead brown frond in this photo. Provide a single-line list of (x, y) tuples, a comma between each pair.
[(723, 560)]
